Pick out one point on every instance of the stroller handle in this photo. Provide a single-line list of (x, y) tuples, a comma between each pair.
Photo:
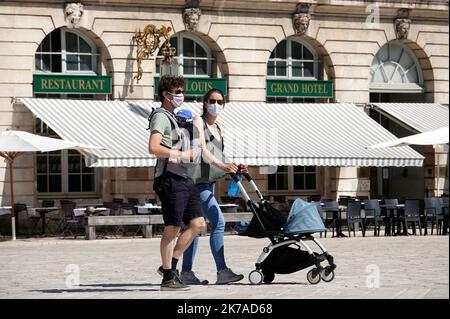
[(241, 187), (252, 183)]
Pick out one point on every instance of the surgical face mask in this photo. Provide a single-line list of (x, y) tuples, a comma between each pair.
[(177, 100), (214, 109)]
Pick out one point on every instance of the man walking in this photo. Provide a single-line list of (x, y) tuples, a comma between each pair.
[(179, 197)]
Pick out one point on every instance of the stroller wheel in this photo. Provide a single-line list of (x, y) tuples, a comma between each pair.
[(255, 277), (268, 277), (327, 274), (313, 276)]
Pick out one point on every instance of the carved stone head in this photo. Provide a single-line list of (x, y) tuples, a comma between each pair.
[(402, 28), (73, 12), (301, 22), (402, 24), (191, 18)]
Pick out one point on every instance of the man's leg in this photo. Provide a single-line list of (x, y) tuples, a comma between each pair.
[(194, 228), (167, 245)]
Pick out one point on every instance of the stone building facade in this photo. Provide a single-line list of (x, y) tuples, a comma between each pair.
[(241, 41)]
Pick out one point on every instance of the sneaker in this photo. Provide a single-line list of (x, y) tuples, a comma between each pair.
[(160, 271), (175, 272), (174, 284), (227, 276), (189, 278)]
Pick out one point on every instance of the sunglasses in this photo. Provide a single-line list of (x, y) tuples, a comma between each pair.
[(213, 101), (177, 92)]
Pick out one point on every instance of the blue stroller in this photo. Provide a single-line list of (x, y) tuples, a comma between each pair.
[(288, 235)]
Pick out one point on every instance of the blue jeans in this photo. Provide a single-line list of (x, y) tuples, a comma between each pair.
[(214, 215)]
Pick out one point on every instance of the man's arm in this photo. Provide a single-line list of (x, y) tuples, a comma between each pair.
[(155, 148)]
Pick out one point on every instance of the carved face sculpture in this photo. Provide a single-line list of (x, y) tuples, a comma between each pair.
[(73, 12), (192, 18), (402, 28), (301, 22)]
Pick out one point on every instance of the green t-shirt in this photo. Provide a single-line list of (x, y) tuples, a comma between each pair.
[(161, 123)]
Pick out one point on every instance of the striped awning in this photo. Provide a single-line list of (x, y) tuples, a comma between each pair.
[(420, 117), (260, 134)]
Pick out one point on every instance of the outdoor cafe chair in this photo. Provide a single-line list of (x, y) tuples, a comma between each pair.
[(353, 216), (33, 221), (71, 223), (412, 214), (332, 216), (134, 201), (58, 219), (433, 214), (393, 214), (444, 205), (372, 211)]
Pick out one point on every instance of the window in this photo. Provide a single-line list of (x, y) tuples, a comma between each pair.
[(293, 178), (292, 59), (65, 51), (304, 177), (395, 69), (64, 172), (193, 57), (279, 180)]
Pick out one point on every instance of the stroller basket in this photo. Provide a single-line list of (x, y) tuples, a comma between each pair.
[(286, 260)]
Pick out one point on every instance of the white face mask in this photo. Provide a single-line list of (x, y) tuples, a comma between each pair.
[(214, 109), (177, 100)]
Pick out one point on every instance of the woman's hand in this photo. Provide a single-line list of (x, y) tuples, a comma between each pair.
[(230, 168), (243, 168)]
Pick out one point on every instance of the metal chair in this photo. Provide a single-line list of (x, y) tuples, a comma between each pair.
[(58, 219), (412, 214), (71, 223), (354, 216), (134, 202), (33, 218)]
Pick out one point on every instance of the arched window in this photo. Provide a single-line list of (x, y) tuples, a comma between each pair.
[(62, 173), (395, 69), (294, 59), (64, 51), (193, 56)]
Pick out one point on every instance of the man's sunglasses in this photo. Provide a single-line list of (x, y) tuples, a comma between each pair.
[(213, 101), (177, 92)]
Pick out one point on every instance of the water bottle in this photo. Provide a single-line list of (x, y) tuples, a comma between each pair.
[(233, 189)]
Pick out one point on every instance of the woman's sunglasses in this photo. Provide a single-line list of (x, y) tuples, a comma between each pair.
[(213, 101)]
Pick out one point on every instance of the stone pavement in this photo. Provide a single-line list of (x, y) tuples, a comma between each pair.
[(384, 267)]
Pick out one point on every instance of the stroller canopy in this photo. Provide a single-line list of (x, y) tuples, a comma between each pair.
[(304, 218)]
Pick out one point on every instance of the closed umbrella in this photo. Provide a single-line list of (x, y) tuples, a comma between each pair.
[(16, 143), (434, 137)]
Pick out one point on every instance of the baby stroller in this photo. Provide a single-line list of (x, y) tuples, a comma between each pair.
[(288, 235)]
